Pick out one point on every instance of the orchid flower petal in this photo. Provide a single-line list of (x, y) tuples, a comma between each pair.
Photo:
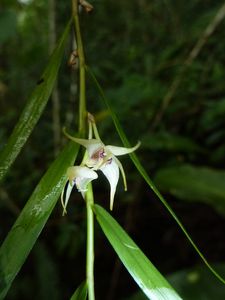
[(92, 145), (80, 171), (82, 182), (95, 131), (72, 173), (68, 187), (121, 150), (81, 176), (111, 171), (122, 172)]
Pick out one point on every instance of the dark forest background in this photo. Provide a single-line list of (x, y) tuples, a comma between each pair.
[(162, 66)]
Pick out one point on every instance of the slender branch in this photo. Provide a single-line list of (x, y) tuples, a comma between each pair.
[(90, 244), (73, 89), (80, 50), (82, 121), (188, 61)]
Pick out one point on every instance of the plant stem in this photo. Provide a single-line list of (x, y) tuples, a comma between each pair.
[(90, 244), (82, 121), (80, 50)]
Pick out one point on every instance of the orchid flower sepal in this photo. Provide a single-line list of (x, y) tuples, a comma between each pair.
[(79, 176)]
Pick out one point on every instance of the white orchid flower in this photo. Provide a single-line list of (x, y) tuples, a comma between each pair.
[(102, 157), (79, 176)]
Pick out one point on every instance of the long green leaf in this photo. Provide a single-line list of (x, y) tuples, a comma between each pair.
[(81, 292), (33, 217), (152, 283), (146, 177), (34, 107)]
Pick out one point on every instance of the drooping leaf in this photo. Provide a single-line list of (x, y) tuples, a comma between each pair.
[(146, 177), (33, 217), (34, 107), (152, 283), (81, 292), (191, 183)]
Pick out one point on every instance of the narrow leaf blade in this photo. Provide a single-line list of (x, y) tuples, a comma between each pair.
[(81, 292), (147, 178), (152, 283), (33, 217), (34, 107)]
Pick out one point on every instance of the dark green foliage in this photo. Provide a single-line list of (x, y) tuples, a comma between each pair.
[(194, 184), (33, 217), (136, 49), (140, 268), (193, 284)]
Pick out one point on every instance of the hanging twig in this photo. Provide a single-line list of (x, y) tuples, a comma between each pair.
[(73, 90)]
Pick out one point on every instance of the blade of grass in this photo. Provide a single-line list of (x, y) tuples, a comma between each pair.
[(34, 107), (33, 217), (146, 177), (81, 292), (152, 283)]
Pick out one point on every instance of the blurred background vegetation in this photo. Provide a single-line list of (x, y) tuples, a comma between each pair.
[(167, 95)]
